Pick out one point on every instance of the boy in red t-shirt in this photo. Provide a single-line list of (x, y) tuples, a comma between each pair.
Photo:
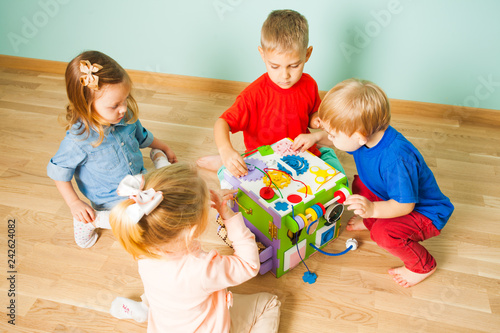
[(281, 103)]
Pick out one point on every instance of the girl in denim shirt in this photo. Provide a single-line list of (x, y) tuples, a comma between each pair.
[(102, 144)]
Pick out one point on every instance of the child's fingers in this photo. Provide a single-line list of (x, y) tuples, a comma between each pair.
[(91, 213), (215, 197), (79, 218), (229, 196), (225, 212), (296, 144), (225, 192), (301, 144), (357, 208), (353, 206), (85, 217), (360, 213), (239, 169), (355, 198)]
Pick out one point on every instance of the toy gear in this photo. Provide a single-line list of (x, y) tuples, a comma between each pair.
[(284, 148), (280, 179), (298, 163), (254, 173)]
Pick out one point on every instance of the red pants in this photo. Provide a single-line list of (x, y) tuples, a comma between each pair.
[(400, 236)]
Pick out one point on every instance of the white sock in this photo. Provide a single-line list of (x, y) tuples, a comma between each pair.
[(159, 158), (85, 234), (124, 308)]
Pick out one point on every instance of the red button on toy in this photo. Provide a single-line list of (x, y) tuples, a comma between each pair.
[(294, 198), (266, 193)]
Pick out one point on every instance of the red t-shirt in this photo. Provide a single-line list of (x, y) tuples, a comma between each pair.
[(267, 113)]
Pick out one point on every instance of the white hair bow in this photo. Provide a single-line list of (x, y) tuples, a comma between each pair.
[(145, 201), (89, 79)]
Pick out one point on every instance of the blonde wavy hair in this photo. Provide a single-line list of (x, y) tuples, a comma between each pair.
[(285, 31), (81, 98), (184, 208), (355, 105)]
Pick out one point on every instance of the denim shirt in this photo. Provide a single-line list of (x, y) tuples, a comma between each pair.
[(99, 170)]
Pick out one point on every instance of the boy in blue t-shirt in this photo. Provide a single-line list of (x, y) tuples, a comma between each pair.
[(395, 196)]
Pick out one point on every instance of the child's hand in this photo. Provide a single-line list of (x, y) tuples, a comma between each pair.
[(220, 203), (82, 212), (234, 162), (228, 194), (360, 205), (304, 141), (170, 155)]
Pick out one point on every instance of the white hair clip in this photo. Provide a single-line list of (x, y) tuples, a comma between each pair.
[(145, 201), (89, 79)]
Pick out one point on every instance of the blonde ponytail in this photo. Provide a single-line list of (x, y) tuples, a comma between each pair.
[(185, 205)]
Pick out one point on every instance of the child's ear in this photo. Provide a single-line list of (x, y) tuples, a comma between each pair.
[(191, 235), (261, 51), (362, 140), (308, 52)]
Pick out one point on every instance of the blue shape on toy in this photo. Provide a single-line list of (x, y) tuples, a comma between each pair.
[(327, 236), (280, 205), (282, 168), (318, 210), (309, 277), (298, 163)]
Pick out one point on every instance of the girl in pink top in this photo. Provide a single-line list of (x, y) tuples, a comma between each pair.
[(185, 287)]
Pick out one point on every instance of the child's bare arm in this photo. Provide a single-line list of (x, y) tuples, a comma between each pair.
[(79, 209), (231, 159), (378, 209)]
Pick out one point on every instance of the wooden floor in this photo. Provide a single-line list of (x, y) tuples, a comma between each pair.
[(62, 288)]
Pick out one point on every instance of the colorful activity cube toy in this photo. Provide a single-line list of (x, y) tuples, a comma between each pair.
[(289, 200)]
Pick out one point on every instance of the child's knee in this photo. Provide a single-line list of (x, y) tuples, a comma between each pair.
[(382, 234)]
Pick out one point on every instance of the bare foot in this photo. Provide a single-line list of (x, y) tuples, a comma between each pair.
[(355, 223), (212, 163), (406, 278)]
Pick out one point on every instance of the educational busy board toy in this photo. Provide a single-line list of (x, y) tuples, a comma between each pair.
[(291, 201)]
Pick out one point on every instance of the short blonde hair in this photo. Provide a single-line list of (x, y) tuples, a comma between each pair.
[(285, 31), (356, 106), (81, 98), (185, 204)]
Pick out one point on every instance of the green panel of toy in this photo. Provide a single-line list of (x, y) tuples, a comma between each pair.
[(258, 216), (286, 242), (322, 196)]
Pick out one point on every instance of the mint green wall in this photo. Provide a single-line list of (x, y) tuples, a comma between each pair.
[(444, 51)]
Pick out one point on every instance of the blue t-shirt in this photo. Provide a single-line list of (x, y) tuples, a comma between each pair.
[(394, 169), (99, 170)]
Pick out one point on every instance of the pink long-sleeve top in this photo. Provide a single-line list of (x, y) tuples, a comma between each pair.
[(187, 293)]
